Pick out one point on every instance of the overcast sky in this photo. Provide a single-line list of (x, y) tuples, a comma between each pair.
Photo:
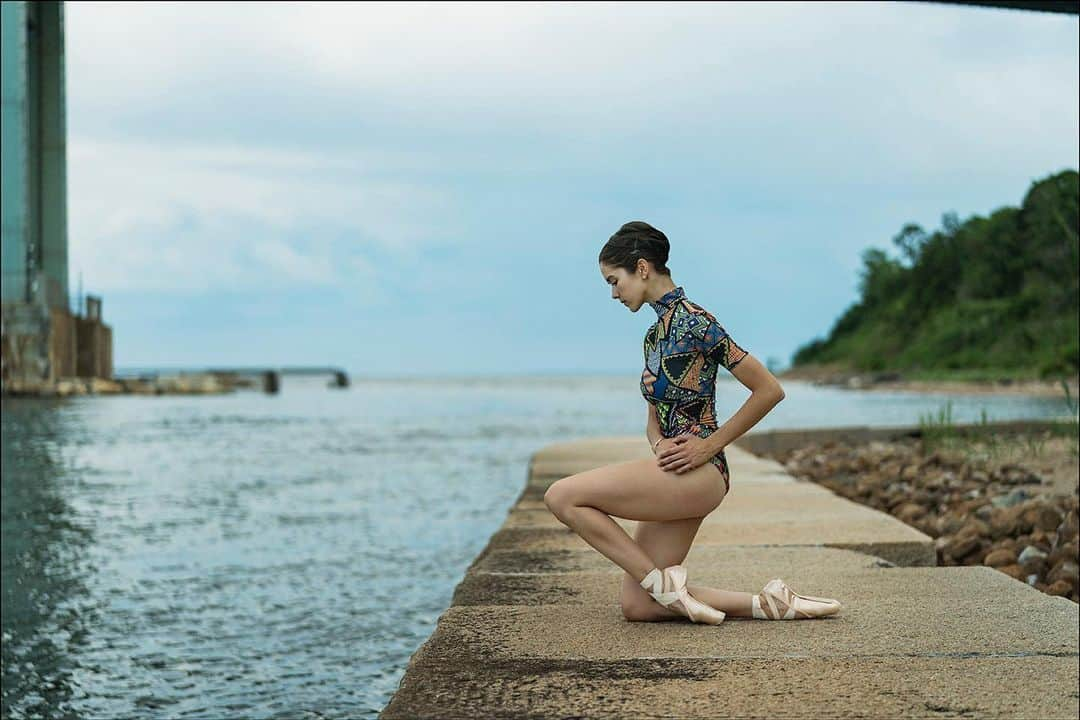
[(411, 189)]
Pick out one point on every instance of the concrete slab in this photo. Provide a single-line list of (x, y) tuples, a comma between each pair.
[(778, 687), (903, 545), (928, 612)]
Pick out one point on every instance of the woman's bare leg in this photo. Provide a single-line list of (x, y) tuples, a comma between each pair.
[(667, 543), (634, 490), (737, 604)]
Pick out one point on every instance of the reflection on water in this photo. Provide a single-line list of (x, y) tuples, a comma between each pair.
[(47, 607), (261, 556)]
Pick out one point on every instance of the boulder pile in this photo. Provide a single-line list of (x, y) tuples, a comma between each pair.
[(978, 512)]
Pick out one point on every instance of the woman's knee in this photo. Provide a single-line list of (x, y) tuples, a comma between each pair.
[(558, 496)]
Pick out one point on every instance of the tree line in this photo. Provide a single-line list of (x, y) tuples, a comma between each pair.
[(990, 296)]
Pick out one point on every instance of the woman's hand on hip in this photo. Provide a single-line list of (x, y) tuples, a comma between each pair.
[(682, 453)]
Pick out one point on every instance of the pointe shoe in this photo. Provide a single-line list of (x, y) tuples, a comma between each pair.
[(669, 589), (777, 601)]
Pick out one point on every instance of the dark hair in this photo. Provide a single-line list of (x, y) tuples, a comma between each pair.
[(633, 241)]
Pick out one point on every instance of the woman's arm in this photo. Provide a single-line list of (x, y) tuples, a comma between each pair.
[(765, 394)]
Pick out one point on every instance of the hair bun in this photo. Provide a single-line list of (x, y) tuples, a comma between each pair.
[(637, 239)]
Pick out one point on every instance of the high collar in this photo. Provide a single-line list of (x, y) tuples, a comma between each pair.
[(668, 300)]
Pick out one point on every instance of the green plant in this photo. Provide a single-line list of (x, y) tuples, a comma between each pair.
[(1069, 402), (1071, 427), (1035, 443), (937, 431)]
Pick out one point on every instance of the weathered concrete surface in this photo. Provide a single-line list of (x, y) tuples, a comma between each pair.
[(714, 687), (535, 628)]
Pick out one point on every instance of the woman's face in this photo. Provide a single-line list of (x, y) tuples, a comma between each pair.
[(626, 287)]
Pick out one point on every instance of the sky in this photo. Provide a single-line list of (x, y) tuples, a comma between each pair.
[(414, 190)]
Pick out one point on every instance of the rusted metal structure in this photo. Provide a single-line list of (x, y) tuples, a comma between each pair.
[(42, 340)]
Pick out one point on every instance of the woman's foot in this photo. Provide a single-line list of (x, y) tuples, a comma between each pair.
[(777, 601), (669, 589)]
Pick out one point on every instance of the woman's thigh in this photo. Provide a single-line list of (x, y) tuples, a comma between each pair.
[(641, 490)]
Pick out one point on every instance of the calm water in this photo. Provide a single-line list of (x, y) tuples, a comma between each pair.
[(259, 556)]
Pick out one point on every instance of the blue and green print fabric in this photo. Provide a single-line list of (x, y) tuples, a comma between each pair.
[(684, 350)]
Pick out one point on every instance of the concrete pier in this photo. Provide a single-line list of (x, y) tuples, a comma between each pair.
[(535, 630)]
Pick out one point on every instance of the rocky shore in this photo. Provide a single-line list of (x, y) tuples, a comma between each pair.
[(194, 384), (1016, 512), (836, 376)]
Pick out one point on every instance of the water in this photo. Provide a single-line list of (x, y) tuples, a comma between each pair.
[(282, 556)]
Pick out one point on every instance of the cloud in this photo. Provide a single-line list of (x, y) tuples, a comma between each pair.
[(471, 158), (766, 87), (178, 218)]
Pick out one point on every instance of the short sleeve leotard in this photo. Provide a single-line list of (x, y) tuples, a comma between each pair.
[(684, 349)]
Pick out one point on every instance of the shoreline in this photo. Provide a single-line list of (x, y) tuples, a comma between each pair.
[(194, 384)]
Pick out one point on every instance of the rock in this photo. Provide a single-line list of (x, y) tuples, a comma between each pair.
[(975, 527), (138, 386), (1042, 515), (961, 545), (1003, 523), (1048, 518), (926, 525), (901, 488), (909, 512), (1007, 544), (1069, 527), (102, 386), (1064, 552), (1000, 557), (1014, 571), (1059, 588), (971, 507), (1015, 497), (1011, 474), (950, 524), (976, 556), (1031, 554), (70, 386), (1066, 570)]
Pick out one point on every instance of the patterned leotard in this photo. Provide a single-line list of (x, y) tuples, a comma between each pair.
[(683, 351)]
